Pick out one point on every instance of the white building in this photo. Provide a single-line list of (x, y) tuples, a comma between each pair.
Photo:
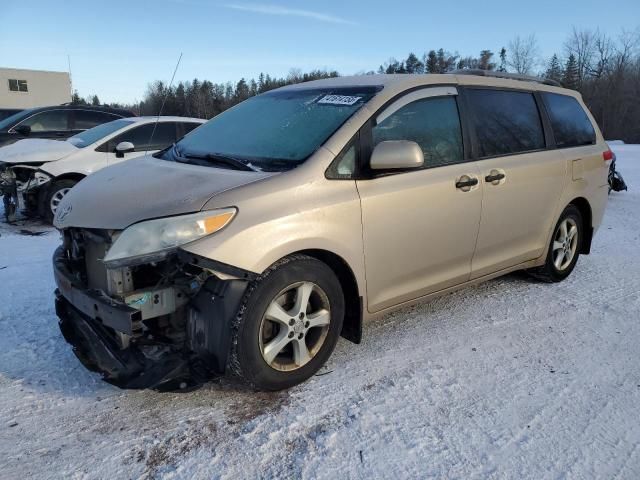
[(33, 88)]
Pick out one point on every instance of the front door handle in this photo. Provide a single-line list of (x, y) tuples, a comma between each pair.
[(494, 177), (466, 182)]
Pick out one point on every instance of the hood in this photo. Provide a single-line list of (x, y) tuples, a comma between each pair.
[(36, 150), (144, 188)]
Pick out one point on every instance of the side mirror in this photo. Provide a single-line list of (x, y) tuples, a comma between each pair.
[(23, 130), (124, 147), (396, 154)]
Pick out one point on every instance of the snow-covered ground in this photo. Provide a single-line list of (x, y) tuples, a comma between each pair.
[(510, 379)]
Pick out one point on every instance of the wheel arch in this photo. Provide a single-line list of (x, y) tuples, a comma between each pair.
[(75, 176), (44, 192), (352, 326), (584, 206)]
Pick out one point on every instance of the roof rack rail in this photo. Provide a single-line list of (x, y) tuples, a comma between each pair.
[(511, 76)]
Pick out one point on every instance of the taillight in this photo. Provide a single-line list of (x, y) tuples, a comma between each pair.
[(607, 155)]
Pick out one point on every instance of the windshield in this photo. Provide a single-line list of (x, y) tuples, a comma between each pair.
[(86, 138), (274, 131), (15, 118)]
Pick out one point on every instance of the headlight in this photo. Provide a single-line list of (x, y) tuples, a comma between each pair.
[(152, 240)]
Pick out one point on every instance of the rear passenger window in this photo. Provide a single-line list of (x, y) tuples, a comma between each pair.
[(571, 126), (186, 127), (433, 123), (86, 119), (506, 122), (147, 137)]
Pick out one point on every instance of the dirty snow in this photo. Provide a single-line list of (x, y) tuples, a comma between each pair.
[(509, 379)]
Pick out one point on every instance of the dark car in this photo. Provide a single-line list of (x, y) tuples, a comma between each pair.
[(7, 112), (56, 122)]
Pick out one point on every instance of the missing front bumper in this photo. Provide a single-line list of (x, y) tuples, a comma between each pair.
[(125, 368), (92, 324)]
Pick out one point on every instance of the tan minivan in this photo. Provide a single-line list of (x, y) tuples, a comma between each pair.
[(253, 243)]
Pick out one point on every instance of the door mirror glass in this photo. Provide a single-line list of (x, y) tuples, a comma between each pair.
[(124, 147), (23, 129), (396, 154)]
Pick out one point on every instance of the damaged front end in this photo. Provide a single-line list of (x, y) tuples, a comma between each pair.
[(164, 325), (20, 185)]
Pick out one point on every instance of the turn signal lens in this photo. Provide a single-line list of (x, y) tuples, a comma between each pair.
[(215, 223)]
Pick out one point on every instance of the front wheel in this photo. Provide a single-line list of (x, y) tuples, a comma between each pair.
[(288, 325), (564, 248), (54, 195)]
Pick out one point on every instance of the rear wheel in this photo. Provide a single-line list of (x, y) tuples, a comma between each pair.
[(54, 196), (288, 325), (564, 249)]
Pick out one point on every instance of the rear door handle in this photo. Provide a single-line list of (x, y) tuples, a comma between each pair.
[(494, 177), (466, 182)]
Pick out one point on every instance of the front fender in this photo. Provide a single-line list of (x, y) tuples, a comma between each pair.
[(259, 236)]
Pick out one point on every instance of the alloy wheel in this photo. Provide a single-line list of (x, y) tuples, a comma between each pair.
[(294, 327), (56, 198), (565, 244)]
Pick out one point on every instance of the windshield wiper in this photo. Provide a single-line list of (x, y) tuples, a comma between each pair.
[(217, 158)]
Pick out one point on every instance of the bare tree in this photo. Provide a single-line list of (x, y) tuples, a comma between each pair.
[(523, 54), (604, 49), (582, 45)]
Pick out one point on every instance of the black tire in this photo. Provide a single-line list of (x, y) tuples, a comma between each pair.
[(45, 200), (246, 359), (549, 272)]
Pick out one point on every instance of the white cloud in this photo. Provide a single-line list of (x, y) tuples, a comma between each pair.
[(285, 11)]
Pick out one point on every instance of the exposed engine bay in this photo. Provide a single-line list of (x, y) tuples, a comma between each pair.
[(20, 186), (162, 325)]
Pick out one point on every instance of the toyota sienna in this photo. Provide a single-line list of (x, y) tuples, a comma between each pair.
[(251, 245)]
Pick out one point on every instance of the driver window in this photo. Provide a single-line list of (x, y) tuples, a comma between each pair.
[(433, 123), (147, 137), (49, 121)]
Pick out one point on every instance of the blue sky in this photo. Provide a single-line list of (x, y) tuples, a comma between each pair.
[(117, 47)]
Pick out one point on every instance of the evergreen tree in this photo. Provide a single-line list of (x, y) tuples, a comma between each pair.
[(181, 101), (242, 90), (431, 62), (484, 62), (503, 60), (95, 101), (446, 61), (554, 69), (413, 64), (570, 75), (76, 99)]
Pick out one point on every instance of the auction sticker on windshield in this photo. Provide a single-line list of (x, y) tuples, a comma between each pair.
[(339, 100)]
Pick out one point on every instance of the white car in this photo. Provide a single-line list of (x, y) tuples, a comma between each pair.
[(42, 171)]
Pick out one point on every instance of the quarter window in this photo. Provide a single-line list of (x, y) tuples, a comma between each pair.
[(86, 119), (506, 122), (433, 123), (18, 85), (344, 166), (571, 126)]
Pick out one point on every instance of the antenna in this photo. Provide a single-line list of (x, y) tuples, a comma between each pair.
[(70, 79), (155, 125)]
